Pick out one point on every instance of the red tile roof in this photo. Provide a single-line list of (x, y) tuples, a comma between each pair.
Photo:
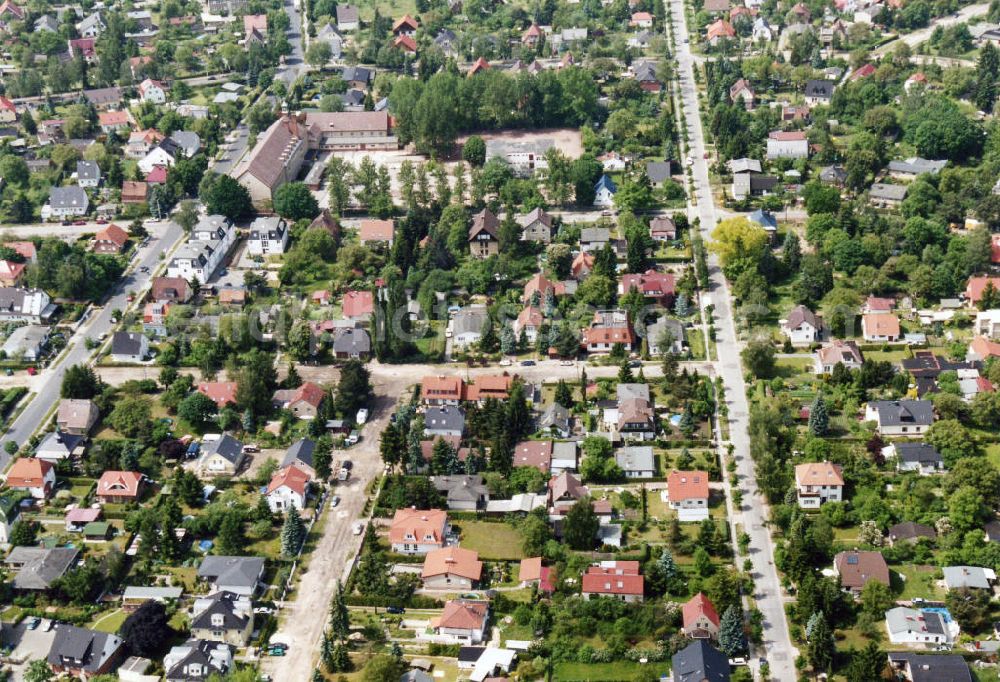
[(290, 477), (534, 453), (442, 388), (974, 289), (222, 392), (460, 614), (114, 234), (698, 606), (119, 483), (687, 485), (28, 472), (358, 303), (649, 283), (452, 560), (613, 578), (310, 393), (420, 526), (376, 231)]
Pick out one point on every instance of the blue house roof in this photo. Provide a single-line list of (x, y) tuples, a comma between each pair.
[(606, 183), (764, 219)]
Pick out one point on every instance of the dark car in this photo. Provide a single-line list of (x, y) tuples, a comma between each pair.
[(397, 610), (527, 363)]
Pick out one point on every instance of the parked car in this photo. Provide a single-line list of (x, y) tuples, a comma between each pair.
[(396, 610), (527, 363), (335, 501), (359, 527), (34, 623), (362, 416), (251, 448)]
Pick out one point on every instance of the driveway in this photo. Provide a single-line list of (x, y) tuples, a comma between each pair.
[(29, 645), (753, 515)]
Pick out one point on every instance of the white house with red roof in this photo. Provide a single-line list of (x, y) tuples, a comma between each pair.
[(700, 619), (36, 476), (8, 113), (451, 568), (152, 91), (617, 579), (288, 489), (418, 531), (464, 620), (687, 493), (651, 284)]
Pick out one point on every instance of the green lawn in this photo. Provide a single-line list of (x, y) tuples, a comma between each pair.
[(918, 581), (109, 622), (493, 541), (620, 671)]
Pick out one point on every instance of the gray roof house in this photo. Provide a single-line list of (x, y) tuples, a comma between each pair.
[(300, 452), (357, 74), (468, 324), (908, 531), (84, 653), (900, 417), (447, 40), (348, 17), (973, 577), (66, 201), (594, 238), (636, 461), (655, 332), (46, 22), (744, 165), (88, 174), (38, 567), (914, 166), (658, 172), (700, 662), (129, 347), (221, 456), (882, 194), (463, 492), (197, 659), (58, 445), (564, 457), (930, 667), (833, 175), (922, 457), (819, 91), (237, 574), (332, 37), (555, 420), (223, 617), (633, 392), (186, 141), (27, 342), (352, 343), (912, 626), (444, 421)]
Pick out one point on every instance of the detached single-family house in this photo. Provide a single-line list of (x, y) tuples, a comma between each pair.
[(536, 226), (463, 620), (883, 195), (196, 659), (57, 445), (352, 343), (818, 92), (856, 568), (77, 417), (35, 476), (900, 417), (636, 461), (880, 327), (303, 402), (556, 420), (662, 229), (152, 91), (844, 353), (604, 192), (418, 531), (221, 392), (699, 617), (910, 626), (442, 390), (223, 617), (608, 329), (27, 342), (916, 667), (920, 457), (268, 236), (111, 240), (972, 577), (120, 486), (240, 575), (66, 202), (484, 236), (288, 489), (742, 90), (37, 568), (787, 144), (129, 347), (468, 325), (463, 492), (803, 326), (88, 174), (687, 494), (532, 572), (699, 661), (221, 457), (910, 532), (444, 421), (348, 18), (818, 482), (376, 232), (82, 653), (451, 568), (616, 579)]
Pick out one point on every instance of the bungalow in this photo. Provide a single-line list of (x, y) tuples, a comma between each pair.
[(593, 239), (463, 620), (451, 568), (818, 482), (221, 457), (300, 454), (288, 489), (910, 532), (666, 335), (348, 18), (134, 192), (687, 494), (838, 352), (752, 185), (803, 326), (900, 417), (418, 531), (636, 461), (886, 196), (662, 229), (358, 305), (468, 325), (531, 572), (929, 667), (856, 568), (36, 476), (884, 327), (971, 577), (240, 575), (57, 445), (120, 486), (484, 236), (376, 232), (914, 166), (534, 453), (37, 568), (616, 579), (76, 519), (641, 20), (910, 626), (699, 617), (921, 457)]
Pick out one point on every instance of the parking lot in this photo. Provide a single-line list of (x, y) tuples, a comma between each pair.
[(28, 645)]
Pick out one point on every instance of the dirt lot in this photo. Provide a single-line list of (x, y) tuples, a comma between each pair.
[(566, 140)]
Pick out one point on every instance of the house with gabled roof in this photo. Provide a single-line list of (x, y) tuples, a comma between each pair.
[(836, 352), (222, 456), (484, 239), (223, 617), (616, 579), (802, 326), (83, 653), (536, 226), (906, 418), (880, 327), (451, 568), (699, 618), (120, 486), (418, 531), (288, 489), (464, 620), (35, 476), (304, 401), (688, 493), (857, 568), (241, 575), (818, 482)]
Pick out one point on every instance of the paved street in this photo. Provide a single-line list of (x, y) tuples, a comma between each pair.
[(163, 237), (777, 643), (916, 37)]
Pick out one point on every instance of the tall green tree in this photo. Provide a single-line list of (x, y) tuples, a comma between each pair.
[(820, 647), (580, 525), (819, 418), (987, 73), (293, 532), (732, 640)]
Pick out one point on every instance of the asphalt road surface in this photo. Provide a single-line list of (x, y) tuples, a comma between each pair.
[(163, 237), (753, 515)]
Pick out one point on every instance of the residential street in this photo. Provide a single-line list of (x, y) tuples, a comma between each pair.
[(163, 237), (914, 38), (779, 650)]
